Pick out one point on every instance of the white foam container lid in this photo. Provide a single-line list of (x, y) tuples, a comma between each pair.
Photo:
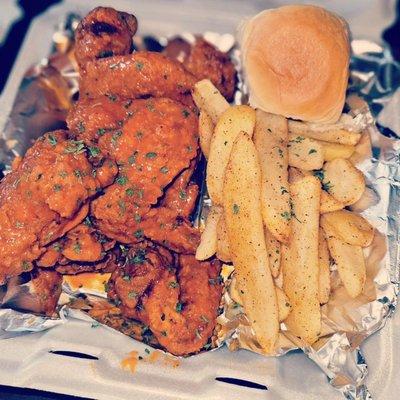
[(26, 361)]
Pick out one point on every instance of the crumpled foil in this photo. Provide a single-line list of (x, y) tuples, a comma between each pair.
[(43, 100)]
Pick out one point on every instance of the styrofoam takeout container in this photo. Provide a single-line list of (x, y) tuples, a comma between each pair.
[(29, 360)]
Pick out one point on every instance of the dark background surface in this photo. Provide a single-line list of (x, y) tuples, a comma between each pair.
[(8, 53)]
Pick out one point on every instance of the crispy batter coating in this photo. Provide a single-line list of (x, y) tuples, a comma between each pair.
[(104, 32), (204, 61), (42, 199), (46, 289), (140, 74), (178, 301)]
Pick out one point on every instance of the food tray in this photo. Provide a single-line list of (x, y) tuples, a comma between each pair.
[(35, 361)]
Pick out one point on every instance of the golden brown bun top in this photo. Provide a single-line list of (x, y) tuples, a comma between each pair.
[(296, 62)]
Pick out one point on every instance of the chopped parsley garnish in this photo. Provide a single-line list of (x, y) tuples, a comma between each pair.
[(319, 174), (52, 140), (164, 170), (139, 257), (57, 247), (327, 186), (77, 247), (88, 221), (138, 234), (130, 192), (132, 158), (179, 307), (151, 154), (122, 206), (283, 190), (81, 127), (57, 187), (185, 113), (111, 97), (182, 195), (78, 173), (139, 65), (101, 131), (173, 284), (139, 134), (115, 137), (236, 209), (126, 278), (122, 180), (75, 147), (26, 266), (311, 151), (137, 217), (94, 151), (286, 215), (132, 294), (63, 174)]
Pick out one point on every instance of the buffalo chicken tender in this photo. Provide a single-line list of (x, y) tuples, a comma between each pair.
[(242, 208)]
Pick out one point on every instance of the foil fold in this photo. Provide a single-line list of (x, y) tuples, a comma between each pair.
[(44, 98)]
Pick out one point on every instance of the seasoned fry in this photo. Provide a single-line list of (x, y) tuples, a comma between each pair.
[(329, 203), (350, 263), (333, 135), (295, 174), (347, 226), (206, 131), (305, 153), (208, 99), (300, 264), (324, 272), (270, 138), (274, 253), (336, 150), (368, 199), (242, 209), (208, 242), (223, 250), (343, 181), (234, 120)]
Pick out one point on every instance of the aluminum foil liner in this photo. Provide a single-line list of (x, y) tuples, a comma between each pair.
[(43, 100)]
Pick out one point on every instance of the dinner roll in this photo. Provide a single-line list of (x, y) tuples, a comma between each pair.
[(296, 62)]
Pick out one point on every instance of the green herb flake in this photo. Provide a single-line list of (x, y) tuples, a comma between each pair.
[(94, 151), (327, 186), (179, 307), (101, 131), (95, 325), (81, 127), (19, 224), (204, 319), (311, 151), (151, 155), (284, 190), (138, 218), (115, 137), (52, 140), (122, 180), (185, 113), (26, 266), (132, 158), (139, 134), (57, 247), (75, 147), (138, 234), (236, 209), (63, 174), (111, 97), (139, 65), (164, 170), (126, 278), (147, 351), (182, 194), (78, 173), (57, 187), (139, 257), (173, 284), (77, 247), (132, 294), (130, 192), (319, 174), (122, 207)]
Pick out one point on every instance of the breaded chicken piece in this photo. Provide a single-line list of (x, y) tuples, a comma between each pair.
[(43, 198), (104, 32)]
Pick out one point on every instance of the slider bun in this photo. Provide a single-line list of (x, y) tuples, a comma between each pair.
[(296, 62)]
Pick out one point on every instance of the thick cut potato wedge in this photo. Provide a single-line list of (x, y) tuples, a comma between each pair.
[(242, 209), (329, 203), (208, 242), (223, 251), (208, 99), (347, 226), (274, 253), (343, 181), (270, 139), (305, 153), (336, 150), (350, 263), (206, 131), (234, 120), (333, 135), (300, 263), (324, 271)]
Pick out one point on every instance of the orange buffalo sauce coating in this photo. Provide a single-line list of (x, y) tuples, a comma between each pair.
[(130, 363)]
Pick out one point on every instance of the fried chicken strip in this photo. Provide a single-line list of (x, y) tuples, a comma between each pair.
[(42, 199), (104, 32)]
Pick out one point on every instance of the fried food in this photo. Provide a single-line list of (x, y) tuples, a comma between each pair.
[(205, 61), (179, 305), (242, 209), (104, 32), (42, 199), (140, 74)]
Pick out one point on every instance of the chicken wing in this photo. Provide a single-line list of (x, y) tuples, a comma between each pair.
[(43, 198)]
